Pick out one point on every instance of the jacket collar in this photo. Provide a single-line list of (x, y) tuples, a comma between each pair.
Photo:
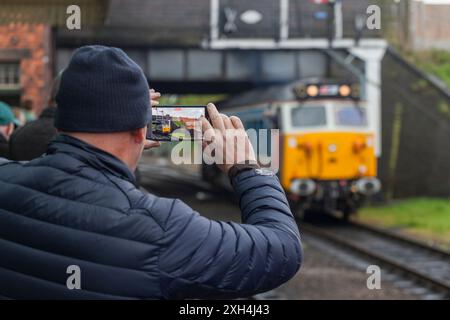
[(93, 156), (48, 112)]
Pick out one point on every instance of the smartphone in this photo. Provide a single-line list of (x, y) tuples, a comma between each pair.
[(176, 123)]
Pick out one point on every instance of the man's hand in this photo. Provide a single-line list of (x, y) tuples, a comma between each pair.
[(154, 97), (154, 101), (228, 138)]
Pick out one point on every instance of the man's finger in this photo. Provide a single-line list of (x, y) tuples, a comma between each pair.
[(227, 122), (155, 95), (205, 124), (215, 117), (154, 103), (207, 130), (151, 144), (237, 123)]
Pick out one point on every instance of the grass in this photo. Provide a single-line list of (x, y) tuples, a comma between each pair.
[(425, 218), (436, 62)]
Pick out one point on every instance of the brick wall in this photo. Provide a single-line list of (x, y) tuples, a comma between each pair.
[(430, 26), (36, 66)]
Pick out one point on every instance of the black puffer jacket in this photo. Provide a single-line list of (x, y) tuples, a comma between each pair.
[(78, 206), (31, 140)]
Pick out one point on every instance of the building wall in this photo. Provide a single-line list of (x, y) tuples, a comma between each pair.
[(429, 26), (35, 67)]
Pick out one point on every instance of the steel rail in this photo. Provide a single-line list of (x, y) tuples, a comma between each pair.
[(420, 276)]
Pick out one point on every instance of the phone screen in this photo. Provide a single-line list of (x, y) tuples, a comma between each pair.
[(176, 123)]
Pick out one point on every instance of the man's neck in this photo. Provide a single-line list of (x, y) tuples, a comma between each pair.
[(113, 143)]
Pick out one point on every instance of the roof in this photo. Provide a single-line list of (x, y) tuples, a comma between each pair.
[(161, 19)]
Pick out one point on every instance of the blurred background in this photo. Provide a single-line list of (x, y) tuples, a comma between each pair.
[(397, 53)]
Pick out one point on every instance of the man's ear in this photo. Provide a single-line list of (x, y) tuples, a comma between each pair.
[(139, 135)]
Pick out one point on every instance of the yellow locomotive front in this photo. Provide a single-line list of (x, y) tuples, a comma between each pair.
[(328, 145), (328, 159)]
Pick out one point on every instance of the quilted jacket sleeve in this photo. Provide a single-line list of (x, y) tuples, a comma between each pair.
[(203, 258)]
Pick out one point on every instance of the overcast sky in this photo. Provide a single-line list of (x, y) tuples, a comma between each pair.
[(434, 1)]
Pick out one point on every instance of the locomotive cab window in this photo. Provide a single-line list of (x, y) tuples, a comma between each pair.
[(351, 116), (309, 116)]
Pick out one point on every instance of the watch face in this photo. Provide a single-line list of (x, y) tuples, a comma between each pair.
[(264, 172)]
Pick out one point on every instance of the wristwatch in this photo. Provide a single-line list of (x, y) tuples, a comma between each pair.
[(238, 168)]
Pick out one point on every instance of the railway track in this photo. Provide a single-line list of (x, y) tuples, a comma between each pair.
[(424, 264)]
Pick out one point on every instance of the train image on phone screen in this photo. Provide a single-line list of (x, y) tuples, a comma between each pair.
[(176, 123)]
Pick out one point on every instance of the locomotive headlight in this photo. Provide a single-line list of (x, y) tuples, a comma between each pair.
[(332, 148), (367, 186), (312, 91), (292, 143), (344, 90), (303, 187)]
